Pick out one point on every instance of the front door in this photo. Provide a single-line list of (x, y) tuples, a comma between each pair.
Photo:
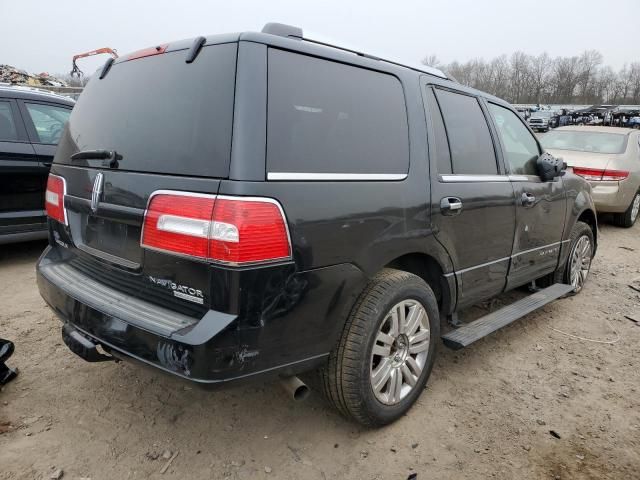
[(473, 206), (540, 206)]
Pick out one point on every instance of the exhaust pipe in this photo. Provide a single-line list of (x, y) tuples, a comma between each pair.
[(295, 387)]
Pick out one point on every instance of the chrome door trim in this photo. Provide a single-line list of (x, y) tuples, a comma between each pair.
[(313, 176), (453, 178), (468, 269)]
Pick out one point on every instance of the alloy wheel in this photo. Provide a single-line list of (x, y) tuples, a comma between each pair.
[(580, 263), (400, 352)]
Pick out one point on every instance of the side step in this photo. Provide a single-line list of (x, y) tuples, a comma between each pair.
[(469, 333)]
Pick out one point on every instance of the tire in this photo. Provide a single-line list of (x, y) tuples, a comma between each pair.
[(564, 273), (347, 378), (629, 217)]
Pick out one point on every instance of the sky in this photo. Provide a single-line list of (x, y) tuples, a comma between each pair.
[(43, 35)]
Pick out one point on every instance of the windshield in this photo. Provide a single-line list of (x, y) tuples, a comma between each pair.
[(160, 113), (596, 142), (541, 114)]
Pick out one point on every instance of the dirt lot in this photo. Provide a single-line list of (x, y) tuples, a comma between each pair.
[(487, 411)]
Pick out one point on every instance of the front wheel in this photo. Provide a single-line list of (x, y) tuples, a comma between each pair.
[(629, 217), (576, 269), (387, 350), (581, 251)]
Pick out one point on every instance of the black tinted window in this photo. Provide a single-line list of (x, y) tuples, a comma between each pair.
[(327, 117), (520, 148), (440, 143), (469, 138), (7, 126), (160, 113)]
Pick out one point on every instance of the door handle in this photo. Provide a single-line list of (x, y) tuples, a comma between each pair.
[(450, 206), (528, 200)]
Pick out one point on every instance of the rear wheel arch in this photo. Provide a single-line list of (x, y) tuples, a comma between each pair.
[(430, 270)]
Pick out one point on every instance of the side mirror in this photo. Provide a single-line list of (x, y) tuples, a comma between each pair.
[(550, 167)]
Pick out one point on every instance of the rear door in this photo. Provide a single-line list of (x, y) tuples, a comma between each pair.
[(472, 198), (540, 206), (22, 177)]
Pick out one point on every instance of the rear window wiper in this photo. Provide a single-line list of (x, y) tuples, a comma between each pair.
[(109, 158)]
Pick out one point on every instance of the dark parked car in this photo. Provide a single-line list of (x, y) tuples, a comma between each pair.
[(31, 122), (317, 211)]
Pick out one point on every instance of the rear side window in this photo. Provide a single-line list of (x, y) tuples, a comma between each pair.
[(326, 117), (160, 113), (472, 151), (48, 121), (8, 130)]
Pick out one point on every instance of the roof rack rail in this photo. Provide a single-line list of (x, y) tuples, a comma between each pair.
[(289, 31)]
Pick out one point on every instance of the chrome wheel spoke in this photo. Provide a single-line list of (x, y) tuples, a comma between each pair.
[(420, 342), (413, 367), (419, 347), (413, 320), (383, 344), (381, 375), (402, 318), (394, 330), (395, 385)]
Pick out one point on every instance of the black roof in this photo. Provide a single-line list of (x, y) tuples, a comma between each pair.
[(30, 93)]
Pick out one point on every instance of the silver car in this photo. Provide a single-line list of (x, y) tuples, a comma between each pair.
[(609, 158)]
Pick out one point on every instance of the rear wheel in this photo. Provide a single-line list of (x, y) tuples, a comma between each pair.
[(629, 217), (386, 352)]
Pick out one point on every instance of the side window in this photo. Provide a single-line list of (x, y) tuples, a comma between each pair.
[(521, 149), (49, 121), (443, 156), (470, 142), (8, 130), (326, 117)]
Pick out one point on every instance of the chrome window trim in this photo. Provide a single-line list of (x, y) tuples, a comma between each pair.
[(453, 178), (313, 176)]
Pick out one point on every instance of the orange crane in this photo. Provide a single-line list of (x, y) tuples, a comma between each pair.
[(75, 71)]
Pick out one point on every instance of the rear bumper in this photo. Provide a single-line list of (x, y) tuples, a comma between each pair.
[(612, 197), (211, 351)]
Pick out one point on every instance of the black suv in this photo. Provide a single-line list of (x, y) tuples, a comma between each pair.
[(31, 122), (263, 204)]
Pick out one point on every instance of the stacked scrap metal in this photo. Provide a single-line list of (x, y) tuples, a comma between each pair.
[(9, 74)]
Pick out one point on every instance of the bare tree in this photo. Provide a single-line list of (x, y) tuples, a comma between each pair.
[(522, 78), (431, 61)]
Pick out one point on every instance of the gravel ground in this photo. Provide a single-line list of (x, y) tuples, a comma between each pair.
[(488, 410)]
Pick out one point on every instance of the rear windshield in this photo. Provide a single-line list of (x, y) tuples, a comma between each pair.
[(596, 142), (160, 113)]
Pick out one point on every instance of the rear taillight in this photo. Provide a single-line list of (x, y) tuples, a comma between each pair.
[(54, 198), (596, 174), (614, 175), (230, 230)]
